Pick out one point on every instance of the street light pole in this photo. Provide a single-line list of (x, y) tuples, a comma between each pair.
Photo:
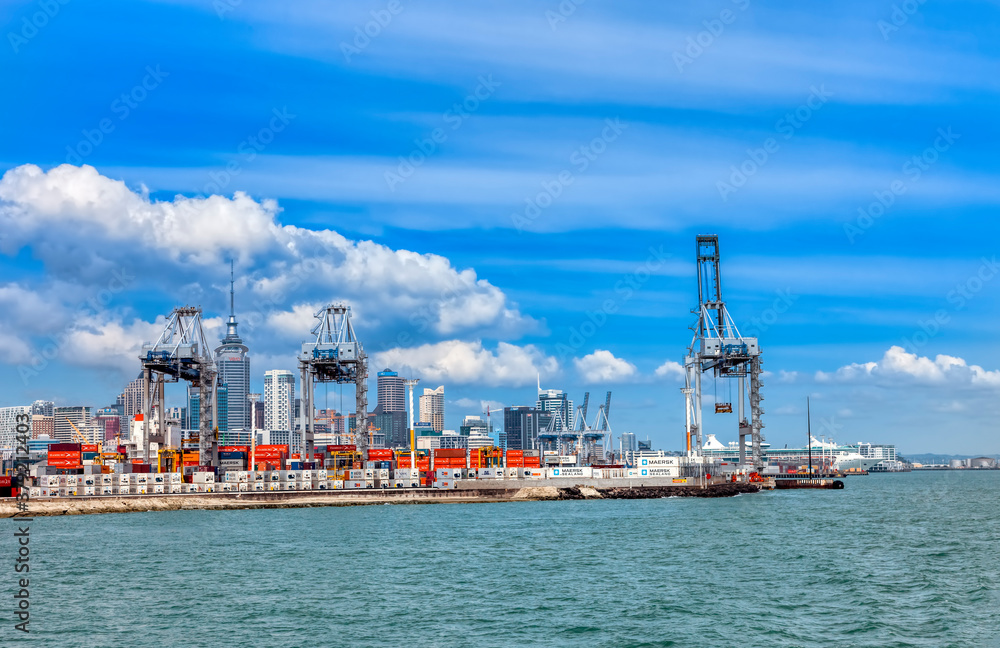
[(410, 383)]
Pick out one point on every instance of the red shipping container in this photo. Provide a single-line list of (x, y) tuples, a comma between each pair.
[(341, 448), (276, 448), (449, 452), (4, 481), (234, 449), (379, 454), (75, 447), (89, 448)]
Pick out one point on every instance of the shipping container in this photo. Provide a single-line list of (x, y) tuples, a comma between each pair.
[(563, 472)]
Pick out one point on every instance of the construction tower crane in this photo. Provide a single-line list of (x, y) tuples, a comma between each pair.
[(335, 357), (180, 353), (718, 346)]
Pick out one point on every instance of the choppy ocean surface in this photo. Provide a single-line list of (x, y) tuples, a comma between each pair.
[(892, 560)]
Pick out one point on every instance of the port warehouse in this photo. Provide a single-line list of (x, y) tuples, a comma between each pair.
[(340, 468)]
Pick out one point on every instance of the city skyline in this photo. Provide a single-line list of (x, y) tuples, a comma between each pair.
[(526, 208)]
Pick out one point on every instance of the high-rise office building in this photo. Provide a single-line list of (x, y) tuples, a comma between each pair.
[(130, 404), (221, 407), (521, 427), (43, 407), (9, 422), (107, 420), (432, 408), (62, 416), (234, 372), (556, 401), (279, 400), (391, 392)]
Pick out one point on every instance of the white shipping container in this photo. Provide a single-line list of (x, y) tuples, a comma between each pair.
[(175, 488), (335, 484), (659, 472), (382, 473), (322, 474), (259, 485), (444, 483), (306, 475), (535, 473), (405, 473), (578, 473), (567, 460), (645, 462), (88, 490), (357, 475), (158, 489), (632, 472), (107, 490)]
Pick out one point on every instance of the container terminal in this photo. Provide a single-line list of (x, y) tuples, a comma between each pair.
[(153, 461)]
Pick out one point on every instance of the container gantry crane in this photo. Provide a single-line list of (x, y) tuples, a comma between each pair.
[(335, 357), (180, 353), (718, 346)]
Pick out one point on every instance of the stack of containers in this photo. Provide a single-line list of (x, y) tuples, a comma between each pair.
[(532, 458), (65, 455), (270, 457), (88, 454)]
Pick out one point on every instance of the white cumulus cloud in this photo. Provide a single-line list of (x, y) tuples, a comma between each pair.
[(602, 366), (671, 370), (898, 364), (181, 246), (462, 362)]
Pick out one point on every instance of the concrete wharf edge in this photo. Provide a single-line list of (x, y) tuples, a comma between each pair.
[(468, 491)]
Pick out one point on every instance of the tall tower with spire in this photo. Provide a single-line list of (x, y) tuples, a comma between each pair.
[(234, 366)]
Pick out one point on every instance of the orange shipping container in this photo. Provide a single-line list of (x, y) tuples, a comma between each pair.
[(89, 448)]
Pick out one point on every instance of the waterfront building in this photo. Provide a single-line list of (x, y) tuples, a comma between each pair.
[(279, 400), (432, 407)]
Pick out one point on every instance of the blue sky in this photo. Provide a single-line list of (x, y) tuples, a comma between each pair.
[(480, 181)]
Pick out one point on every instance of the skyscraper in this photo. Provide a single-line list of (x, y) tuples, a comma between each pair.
[(8, 424), (391, 392), (555, 401), (390, 415), (221, 408), (130, 404), (43, 407), (432, 408), (520, 427), (279, 400), (234, 371)]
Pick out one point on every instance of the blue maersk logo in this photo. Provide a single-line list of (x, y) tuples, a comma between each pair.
[(645, 472), (645, 462), (555, 472)]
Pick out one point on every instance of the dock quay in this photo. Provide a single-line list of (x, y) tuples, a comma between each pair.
[(494, 493)]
